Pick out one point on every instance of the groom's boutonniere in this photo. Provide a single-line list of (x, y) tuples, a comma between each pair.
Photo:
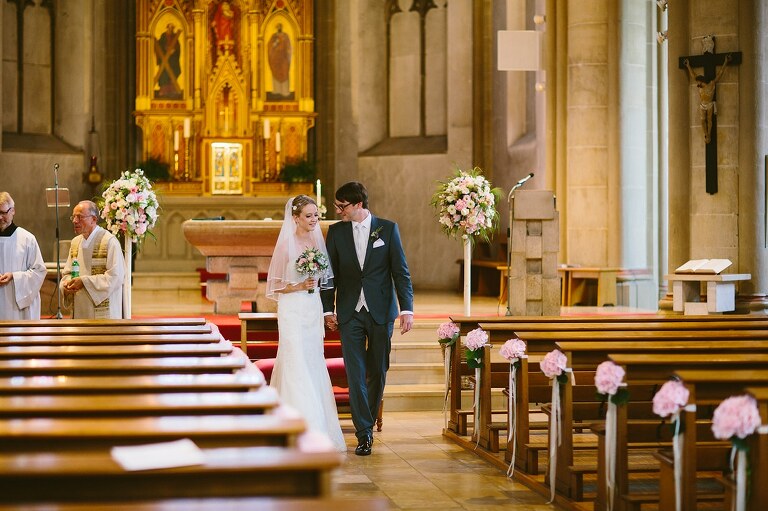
[(375, 233)]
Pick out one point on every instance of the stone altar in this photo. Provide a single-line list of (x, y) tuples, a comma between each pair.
[(242, 249)]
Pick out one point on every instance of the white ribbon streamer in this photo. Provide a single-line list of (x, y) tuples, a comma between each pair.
[(447, 366), (741, 481), (512, 416), (476, 406), (554, 437), (677, 450), (610, 452)]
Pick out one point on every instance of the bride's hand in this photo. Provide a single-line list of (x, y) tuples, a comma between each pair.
[(309, 284)]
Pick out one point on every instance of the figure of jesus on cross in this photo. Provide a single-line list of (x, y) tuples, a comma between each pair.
[(707, 104)]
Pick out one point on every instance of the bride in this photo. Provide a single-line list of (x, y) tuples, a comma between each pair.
[(300, 375)]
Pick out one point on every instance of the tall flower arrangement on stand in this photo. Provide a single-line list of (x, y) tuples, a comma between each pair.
[(610, 387), (735, 419), (466, 207), (130, 208), (514, 351)]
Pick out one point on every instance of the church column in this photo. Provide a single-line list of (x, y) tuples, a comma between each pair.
[(752, 159)]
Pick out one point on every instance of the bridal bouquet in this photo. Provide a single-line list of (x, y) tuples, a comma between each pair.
[(311, 262), (130, 206), (466, 205)]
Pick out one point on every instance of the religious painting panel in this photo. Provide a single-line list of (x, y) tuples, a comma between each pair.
[(169, 63), (224, 21), (280, 36), (226, 168)]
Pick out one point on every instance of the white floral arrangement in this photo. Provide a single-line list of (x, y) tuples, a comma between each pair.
[(130, 206), (466, 205)]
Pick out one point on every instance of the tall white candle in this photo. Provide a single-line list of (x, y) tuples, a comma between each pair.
[(175, 140), (277, 141), (187, 127), (266, 128), (318, 193)]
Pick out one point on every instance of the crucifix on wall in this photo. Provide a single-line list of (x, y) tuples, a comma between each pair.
[(706, 84)]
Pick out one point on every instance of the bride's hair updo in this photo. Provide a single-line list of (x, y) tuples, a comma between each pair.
[(299, 202)]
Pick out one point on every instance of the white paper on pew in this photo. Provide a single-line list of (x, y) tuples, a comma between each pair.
[(179, 453)]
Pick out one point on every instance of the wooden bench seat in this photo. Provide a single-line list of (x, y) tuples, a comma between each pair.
[(118, 323), (126, 329), (105, 339), (117, 351), (258, 401), (92, 476), (68, 433), (121, 366)]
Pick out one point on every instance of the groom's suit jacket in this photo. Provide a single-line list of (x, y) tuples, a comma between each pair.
[(384, 275)]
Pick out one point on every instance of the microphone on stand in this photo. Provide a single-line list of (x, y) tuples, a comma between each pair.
[(522, 181), (56, 197), (509, 241)]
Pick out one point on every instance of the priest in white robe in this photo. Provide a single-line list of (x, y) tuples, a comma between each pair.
[(98, 289), (22, 270)]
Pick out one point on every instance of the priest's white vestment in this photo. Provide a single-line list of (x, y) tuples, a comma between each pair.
[(20, 254)]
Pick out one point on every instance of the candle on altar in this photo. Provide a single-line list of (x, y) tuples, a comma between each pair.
[(175, 140), (277, 141), (266, 128), (187, 127), (318, 193)]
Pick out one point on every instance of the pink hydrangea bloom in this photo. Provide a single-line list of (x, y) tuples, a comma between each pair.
[(553, 364), (513, 348), (476, 339), (608, 378), (671, 397), (736, 416), (447, 330)]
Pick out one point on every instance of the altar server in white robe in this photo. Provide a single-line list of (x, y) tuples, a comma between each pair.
[(98, 290), (22, 270)]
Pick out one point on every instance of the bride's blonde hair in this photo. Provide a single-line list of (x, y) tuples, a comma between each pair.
[(300, 202)]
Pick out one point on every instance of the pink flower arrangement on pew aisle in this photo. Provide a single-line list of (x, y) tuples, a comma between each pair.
[(735, 419), (513, 348), (447, 333), (553, 365), (474, 343), (609, 382), (670, 399)]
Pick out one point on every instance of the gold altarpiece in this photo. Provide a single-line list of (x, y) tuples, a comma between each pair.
[(224, 92)]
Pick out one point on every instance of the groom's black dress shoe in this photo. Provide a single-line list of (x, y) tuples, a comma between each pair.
[(364, 445)]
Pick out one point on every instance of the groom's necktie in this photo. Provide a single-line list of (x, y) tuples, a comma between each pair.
[(360, 245)]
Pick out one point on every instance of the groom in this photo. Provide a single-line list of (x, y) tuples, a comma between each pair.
[(370, 279)]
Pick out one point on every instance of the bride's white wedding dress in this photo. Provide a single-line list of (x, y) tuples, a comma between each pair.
[(300, 375)]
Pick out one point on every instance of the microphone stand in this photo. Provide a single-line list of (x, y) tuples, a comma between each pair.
[(58, 242), (510, 199)]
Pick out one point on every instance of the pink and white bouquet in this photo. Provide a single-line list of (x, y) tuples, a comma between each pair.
[(513, 349), (312, 262), (553, 365), (670, 399), (130, 206), (447, 333), (466, 205), (609, 382), (474, 343), (735, 419)]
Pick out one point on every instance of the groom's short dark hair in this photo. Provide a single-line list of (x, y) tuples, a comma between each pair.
[(353, 192)]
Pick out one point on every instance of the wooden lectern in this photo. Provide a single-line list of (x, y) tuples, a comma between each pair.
[(534, 241)]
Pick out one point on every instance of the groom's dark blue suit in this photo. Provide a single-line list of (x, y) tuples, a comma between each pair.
[(386, 282)]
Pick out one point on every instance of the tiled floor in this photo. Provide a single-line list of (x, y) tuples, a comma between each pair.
[(415, 467)]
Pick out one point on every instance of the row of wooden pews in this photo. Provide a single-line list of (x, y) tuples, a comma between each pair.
[(71, 390), (720, 356)]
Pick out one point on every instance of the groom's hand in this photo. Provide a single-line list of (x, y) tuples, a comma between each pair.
[(406, 322), (331, 323)]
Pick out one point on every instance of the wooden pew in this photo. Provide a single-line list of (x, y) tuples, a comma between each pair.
[(126, 330), (217, 504), (130, 384), (115, 338), (657, 368), (255, 402), (117, 351), (103, 322), (759, 453), (92, 476), (116, 367)]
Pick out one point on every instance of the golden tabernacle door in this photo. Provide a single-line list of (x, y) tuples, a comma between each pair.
[(227, 168)]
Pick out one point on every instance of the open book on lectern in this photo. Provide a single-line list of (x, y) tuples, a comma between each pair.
[(704, 266)]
